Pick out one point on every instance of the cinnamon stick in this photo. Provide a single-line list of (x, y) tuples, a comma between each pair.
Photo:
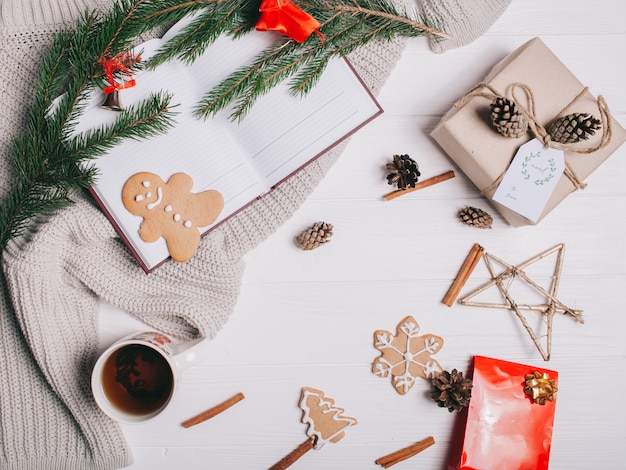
[(464, 273), (294, 455), (211, 412), (421, 185), (403, 454)]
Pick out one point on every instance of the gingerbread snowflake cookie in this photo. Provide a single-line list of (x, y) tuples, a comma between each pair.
[(170, 210), (406, 355)]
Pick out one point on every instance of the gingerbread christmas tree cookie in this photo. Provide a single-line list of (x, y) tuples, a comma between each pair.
[(326, 423), (171, 211), (406, 355)]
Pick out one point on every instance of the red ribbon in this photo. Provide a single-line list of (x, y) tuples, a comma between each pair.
[(287, 18), (121, 62)]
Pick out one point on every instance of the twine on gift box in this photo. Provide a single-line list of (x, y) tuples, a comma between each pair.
[(539, 130)]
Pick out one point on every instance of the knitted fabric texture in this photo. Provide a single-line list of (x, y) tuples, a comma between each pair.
[(464, 20), (55, 275)]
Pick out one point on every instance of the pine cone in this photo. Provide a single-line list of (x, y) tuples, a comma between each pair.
[(475, 217), (314, 236), (404, 171), (507, 118), (450, 390), (573, 128)]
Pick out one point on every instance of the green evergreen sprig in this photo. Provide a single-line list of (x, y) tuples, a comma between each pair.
[(212, 19), (345, 26), (52, 161)]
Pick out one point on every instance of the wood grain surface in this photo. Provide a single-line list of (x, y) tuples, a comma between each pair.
[(307, 318)]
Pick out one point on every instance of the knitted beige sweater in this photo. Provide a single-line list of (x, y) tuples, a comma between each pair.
[(55, 275)]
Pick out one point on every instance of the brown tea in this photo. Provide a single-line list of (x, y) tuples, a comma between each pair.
[(137, 379)]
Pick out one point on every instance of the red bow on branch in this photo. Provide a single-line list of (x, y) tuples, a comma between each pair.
[(284, 16), (121, 62)]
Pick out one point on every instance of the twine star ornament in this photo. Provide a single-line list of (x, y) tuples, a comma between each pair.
[(549, 309)]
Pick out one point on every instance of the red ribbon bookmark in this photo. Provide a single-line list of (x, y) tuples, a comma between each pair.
[(286, 17)]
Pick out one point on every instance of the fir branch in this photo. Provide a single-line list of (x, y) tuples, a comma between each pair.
[(383, 11), (54, 69), (247, 83), (50, 161), (157, 13), (209, 24), (345, 26), (147, 119), (46, 181), (119, 28)]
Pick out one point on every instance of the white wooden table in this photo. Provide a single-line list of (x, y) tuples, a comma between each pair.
[(307, 318)]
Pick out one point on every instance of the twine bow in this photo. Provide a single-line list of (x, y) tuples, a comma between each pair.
[(538, 130)]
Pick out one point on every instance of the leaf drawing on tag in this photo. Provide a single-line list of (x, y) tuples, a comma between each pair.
[(527, 174)]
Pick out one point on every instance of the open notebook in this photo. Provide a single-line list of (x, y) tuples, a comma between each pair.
[(242, 160)]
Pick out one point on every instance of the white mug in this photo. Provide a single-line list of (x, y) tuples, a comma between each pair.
[(135, 378)]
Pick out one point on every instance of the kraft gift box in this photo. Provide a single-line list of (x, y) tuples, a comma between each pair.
[(467, 135), (503, 428)]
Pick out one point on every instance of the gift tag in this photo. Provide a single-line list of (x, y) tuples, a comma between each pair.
[(530, 179)]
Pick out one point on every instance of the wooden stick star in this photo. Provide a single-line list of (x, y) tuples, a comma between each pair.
[(550, 308)]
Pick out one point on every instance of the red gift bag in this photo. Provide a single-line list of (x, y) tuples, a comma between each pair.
[(503, 428)]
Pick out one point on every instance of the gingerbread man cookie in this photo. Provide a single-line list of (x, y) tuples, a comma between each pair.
[(170, 210)]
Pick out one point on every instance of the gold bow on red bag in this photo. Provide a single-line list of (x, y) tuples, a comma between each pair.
[(540, 387), (284, 16)]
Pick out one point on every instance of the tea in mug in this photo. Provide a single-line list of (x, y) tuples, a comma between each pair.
[(137, 380)]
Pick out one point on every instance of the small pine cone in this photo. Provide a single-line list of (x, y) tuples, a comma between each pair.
[(314, 236), (573, 128), (404, 171), (507, 118), (450, 390), (475, 217)]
